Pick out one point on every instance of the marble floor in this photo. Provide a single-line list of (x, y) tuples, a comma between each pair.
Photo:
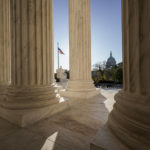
[(73, 129)]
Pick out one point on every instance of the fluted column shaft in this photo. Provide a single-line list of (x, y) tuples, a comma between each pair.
[(51, 42), (80, 40), (4, 43), (135, 47), (31, 95), (31, 53), (4, 47), (80, 49), (31, 42), (130, 118)]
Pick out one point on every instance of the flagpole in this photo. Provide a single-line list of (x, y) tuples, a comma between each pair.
[(58, 53)]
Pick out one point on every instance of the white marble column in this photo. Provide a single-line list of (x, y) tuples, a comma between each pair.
[(31, 92), (80, 84), (130, 118), (4, 47)]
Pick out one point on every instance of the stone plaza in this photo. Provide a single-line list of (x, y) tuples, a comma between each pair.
[(37, 114)]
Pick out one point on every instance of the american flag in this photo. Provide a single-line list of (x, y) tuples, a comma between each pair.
[(60, 51)]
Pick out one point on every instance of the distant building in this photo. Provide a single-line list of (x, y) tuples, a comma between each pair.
[(111, 62)]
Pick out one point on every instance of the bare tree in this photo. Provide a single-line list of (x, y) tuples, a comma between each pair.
[(100, 66)]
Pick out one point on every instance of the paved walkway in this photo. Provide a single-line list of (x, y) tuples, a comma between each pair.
[(71, 130)]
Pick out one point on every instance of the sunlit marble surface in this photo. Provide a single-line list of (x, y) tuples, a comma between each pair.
[(73, 129)]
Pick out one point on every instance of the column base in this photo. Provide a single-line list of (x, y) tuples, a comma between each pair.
[(105, 140), (3, 91), (25, 106), (80, 90), (130, 120), (128, 125)]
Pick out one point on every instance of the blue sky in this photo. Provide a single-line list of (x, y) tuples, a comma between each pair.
[(105, 30)]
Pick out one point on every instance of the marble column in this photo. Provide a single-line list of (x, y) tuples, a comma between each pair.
[(31, 94), (4, 47), (130, 119), (80, 84)]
